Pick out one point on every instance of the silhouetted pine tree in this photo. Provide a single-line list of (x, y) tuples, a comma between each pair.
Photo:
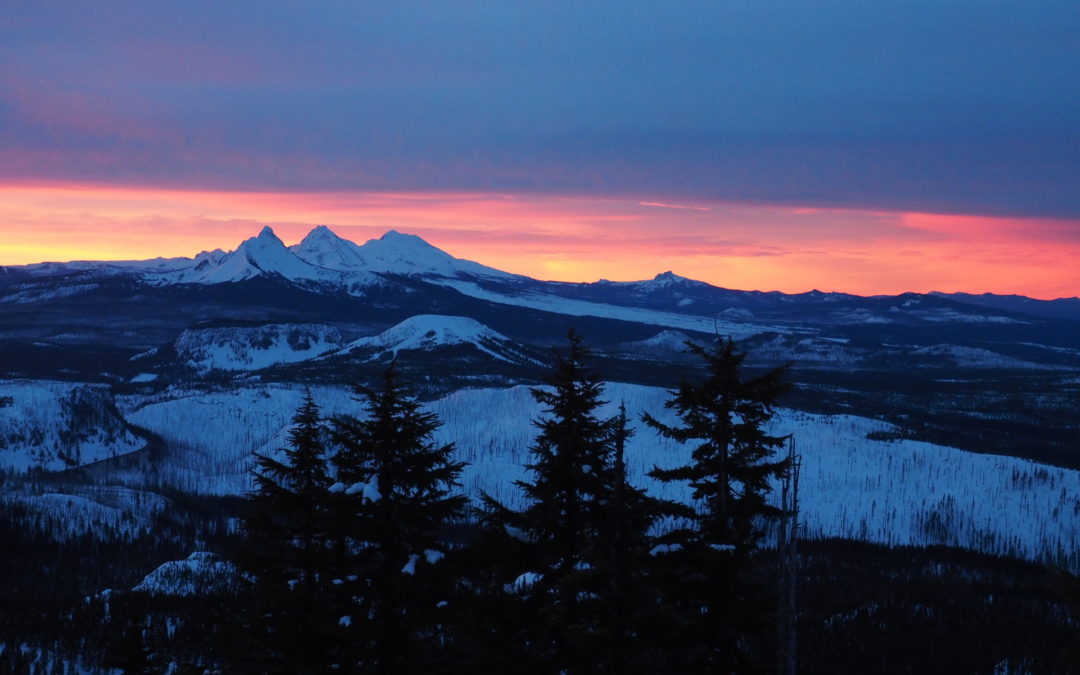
[(628, 601), (394, 496), (713, 609), (581, 528), (288, 552)]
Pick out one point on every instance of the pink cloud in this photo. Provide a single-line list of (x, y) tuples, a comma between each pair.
[(571, 238)]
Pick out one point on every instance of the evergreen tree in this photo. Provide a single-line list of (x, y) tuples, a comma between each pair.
[(718, 612), (580, 524), (287, 551), (628, 613), (394, 497)]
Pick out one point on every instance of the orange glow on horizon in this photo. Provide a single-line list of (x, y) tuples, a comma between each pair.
[(568, 238)]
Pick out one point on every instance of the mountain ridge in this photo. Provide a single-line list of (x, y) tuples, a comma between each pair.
[(325, 260)]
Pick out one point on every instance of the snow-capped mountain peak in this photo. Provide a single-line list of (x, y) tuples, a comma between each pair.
[(662, 281), (404, 239), (398, 253), (263, 254), (425, 332), (409, 255), (267, 233), (324, 248), (669, 278)]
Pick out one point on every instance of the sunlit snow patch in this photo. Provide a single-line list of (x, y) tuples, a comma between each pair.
[(237, 348), (426, 332), (201, 573)]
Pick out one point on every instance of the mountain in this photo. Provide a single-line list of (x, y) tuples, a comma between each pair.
[(58, 425), (426, 332), (241, 348), (264, 254), (1061, 308), (324, 257), (322, 248), (325, 263), (393, 254), (321, 257)]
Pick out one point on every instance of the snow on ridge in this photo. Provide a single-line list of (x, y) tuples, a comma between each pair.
[(210, 435), (559, 305), (96, 510), (662, 281), (323, 248), (666, 339), (975, 357), (429, 331), (238, 348), (57, 425), (393, 253), (27, 293), (408, 254), (901, 492), (324, 257), (200, 573), (264, 254)]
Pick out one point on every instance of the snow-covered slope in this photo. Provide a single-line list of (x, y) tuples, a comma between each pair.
[(210, 435), (321, 257), (322, 248), (426, 332), (661, 282), (102, 511), (58, 425), (261, 255), (237, 348), (896, 492), (665, 340), (393, 253), (571, 307), (201, 572), (974, 357), (397, 253)]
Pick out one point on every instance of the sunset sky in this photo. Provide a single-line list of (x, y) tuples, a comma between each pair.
[(868, 146)]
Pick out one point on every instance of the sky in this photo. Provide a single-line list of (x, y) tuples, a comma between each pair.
[(870, 146)]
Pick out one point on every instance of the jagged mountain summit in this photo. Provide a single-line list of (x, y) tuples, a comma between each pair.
[(393, 253), (264, 254), (321, 257), (324, 257)]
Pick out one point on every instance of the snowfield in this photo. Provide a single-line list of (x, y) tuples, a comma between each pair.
[(891, 492), (238, 348), (569, 307), (425, 332), (899, 492), (102, 511), (974, 357), (200, 573), (57, 425)]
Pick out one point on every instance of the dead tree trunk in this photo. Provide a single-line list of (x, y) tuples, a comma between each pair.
[(787, 558)]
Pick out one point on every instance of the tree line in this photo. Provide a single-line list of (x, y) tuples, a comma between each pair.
[(364, 555)]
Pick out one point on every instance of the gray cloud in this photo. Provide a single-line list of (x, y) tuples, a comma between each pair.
[(970, 106)]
